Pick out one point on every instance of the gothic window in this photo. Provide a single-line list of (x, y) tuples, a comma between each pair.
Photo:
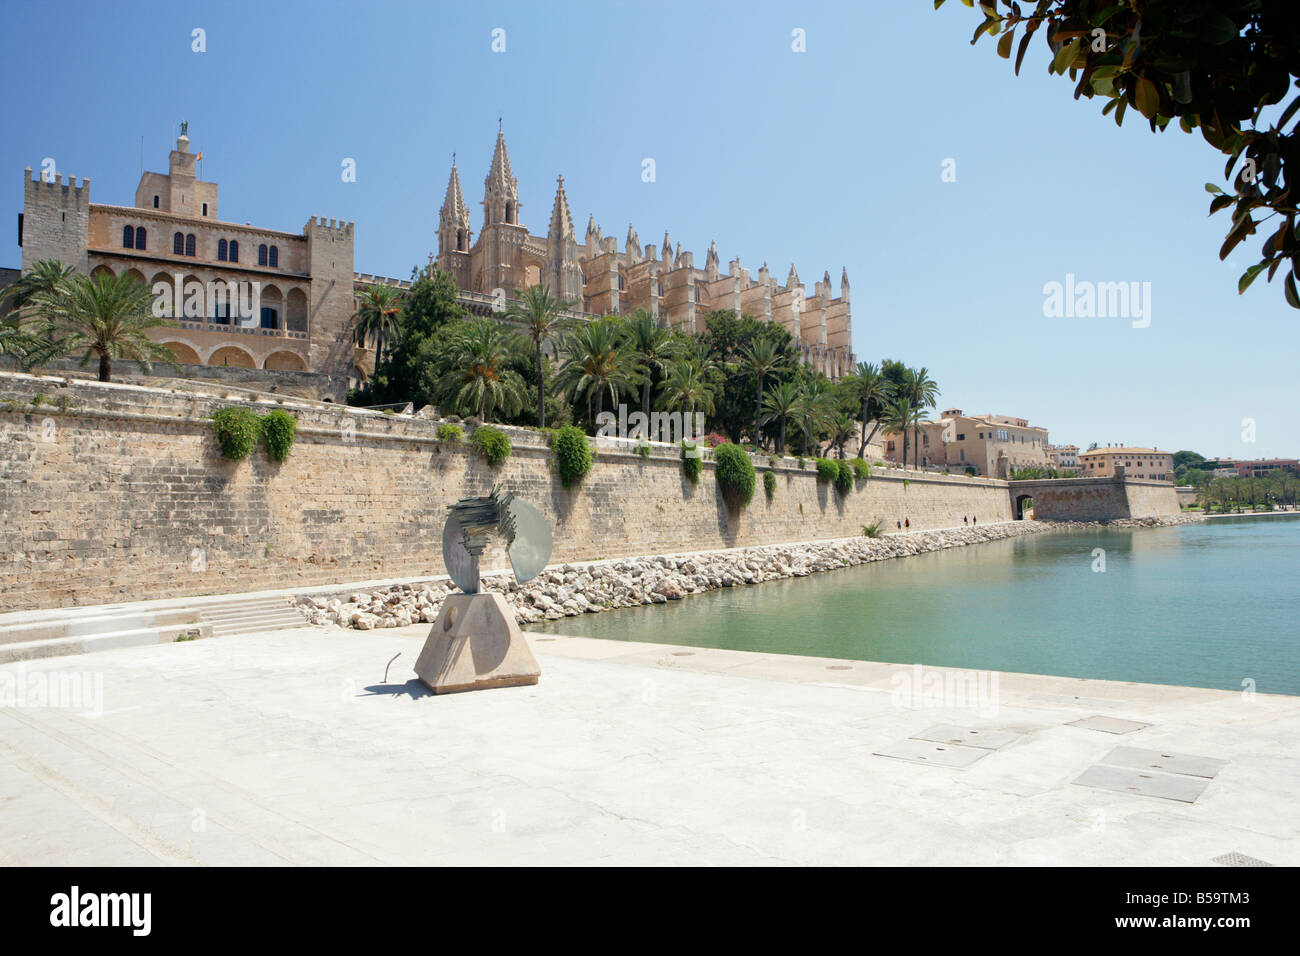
[(178, 244), (141, 238), (273, 259), (222, 246), (510, 212), (155, 202), (128, 237), (189, 244), (234, 251), (261, 254)]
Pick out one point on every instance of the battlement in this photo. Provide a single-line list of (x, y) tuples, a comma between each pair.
[(44, 190), (340, 226)]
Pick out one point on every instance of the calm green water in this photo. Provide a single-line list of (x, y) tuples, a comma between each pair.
[(1201, 605)]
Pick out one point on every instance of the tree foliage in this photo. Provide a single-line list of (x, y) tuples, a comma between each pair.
[(1202, 66)]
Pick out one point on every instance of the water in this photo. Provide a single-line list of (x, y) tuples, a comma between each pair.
[(1206, 605)]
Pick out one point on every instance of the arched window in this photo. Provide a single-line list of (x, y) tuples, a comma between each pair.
[(178, 244), (128, 237), (234, 251), (510, 212), (141, 238), (189, 244), (274, 261), (155, 202), (221, 250), (261, 254)]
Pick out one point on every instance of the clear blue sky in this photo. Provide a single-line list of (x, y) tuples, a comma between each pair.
[(827, 158)]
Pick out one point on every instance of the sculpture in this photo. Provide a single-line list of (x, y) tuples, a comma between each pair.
[(475, 643)]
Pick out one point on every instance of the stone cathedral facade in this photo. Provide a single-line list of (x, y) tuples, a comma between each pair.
[(600, 279)]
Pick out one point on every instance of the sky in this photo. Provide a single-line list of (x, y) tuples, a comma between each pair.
[(951, 190)]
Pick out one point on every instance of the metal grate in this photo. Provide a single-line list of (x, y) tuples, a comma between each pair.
[(1238, 859)]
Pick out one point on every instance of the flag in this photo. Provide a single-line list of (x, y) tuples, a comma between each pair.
[(200, 159)]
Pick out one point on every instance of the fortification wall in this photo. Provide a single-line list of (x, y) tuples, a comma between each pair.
[(119, 492)]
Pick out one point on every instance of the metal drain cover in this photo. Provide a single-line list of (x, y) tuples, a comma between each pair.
[(1108, 725), (1238, 859), (1186, 764), (937, 755), (1167, 786), (967, 736)]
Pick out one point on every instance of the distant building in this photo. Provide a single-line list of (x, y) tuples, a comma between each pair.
[(990, 445), (1064, 457), (1263, 467), (1149, 463)]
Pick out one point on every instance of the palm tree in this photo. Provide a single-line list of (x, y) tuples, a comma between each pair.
[(760, 357), (104, 314), (900, 416), (842, 427), (778, 404), (652, 347), (376, 317), (687, 388), (539, 313), (478, 354), (44, 278), (870, 391), (813, 412), (924, 392), (595, 362)]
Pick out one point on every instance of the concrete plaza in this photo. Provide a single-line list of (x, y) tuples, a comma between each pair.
[(291, 747)]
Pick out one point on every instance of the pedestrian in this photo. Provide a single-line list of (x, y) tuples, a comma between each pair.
[(965, 520), (900, 525), (907, 522), (975, 520)]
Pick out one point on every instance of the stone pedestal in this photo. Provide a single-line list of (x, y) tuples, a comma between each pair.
[(474, 644)]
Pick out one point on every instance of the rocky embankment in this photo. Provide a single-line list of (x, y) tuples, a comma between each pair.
[(574, 589), (1162, 521)]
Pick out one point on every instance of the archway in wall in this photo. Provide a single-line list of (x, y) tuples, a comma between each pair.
[(295, 310), (285, 361), (231, 356), (185, 354), (1024, 506)]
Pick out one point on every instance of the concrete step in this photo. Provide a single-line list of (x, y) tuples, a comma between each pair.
[(87, 622), (103, 641)]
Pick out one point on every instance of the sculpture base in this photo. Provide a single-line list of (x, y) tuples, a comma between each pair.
[(475, 644)]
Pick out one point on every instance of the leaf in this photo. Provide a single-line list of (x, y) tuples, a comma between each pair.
[(1024, 45), (1213, 190), (1249, 275), (1288, 113), (1292, 297), (1004, 44), (1219, 202), (1216, 28), (1148, 99), (1065, 56)]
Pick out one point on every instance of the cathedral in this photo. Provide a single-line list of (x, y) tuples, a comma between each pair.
[(599, 279)]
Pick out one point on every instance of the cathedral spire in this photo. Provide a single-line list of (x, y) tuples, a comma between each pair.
[(453, 219), (561, 220), (453, 204), (500, 189)]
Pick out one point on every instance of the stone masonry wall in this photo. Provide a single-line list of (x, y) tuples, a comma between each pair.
[(119, 492)]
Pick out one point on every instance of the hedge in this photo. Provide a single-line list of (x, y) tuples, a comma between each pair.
[(735, 474), (572, 454), (278, 430), (492, 444), (692, 464), (237, 431), (769, 485)]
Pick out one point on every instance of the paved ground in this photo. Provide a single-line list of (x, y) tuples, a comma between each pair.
[(291, 748)]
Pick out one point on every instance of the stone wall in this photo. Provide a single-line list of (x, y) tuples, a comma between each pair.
[(112, 492), (1097, 499)]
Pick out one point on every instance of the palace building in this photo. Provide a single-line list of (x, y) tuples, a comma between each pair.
[(249, 297)]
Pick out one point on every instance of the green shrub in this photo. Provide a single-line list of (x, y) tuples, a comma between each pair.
[(970, 470), (871, 530), (827, 470), (802, 462), (643, 449), (492, 444), (451, 433), (237, 431), (692, 464), (735, 474), (843, 476), (861, 469), (572, 454), (769, 485), (278, 430), (38, 399)]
